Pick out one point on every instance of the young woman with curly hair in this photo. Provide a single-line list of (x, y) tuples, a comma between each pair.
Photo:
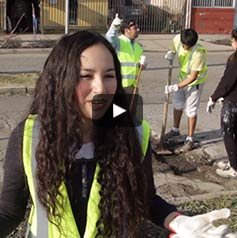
[(85, 175)]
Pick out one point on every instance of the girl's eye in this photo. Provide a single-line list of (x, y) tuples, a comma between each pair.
[(109, 76), (85, 76)]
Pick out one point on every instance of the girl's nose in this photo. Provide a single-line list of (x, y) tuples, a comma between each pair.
[(98, 85)]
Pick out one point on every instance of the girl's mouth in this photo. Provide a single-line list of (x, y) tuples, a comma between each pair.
[(98, 104)]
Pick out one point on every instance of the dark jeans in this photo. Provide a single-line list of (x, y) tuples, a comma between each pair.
[(229, 130)]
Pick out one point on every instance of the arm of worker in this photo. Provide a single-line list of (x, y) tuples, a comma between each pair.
[(226, 88), (170, 54), (113, 33), (175, 87), (199, 61), (14, 194), (193, 76), (227, 83)]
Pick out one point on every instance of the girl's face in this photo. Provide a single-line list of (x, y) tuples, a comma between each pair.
[(97, 77), (234, 43)]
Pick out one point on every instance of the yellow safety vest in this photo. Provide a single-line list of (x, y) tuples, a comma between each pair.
[(186, 61), (38, 224), (129, 56)]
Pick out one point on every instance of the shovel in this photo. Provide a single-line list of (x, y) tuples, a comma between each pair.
[(161, 148), (142, 63)]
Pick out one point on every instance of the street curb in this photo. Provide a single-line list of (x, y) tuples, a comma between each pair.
[(26, 50), (164, 51), (48, 50), (16, 90), (201, 197)]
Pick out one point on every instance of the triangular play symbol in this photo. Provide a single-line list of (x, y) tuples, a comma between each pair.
[(117, 110)]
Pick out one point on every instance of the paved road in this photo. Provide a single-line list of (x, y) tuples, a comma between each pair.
[(13, 108), (151, 85)]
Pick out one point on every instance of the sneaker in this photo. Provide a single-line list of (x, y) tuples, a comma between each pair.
[(187, 146), (171, 134), (223, 164), (227, 173)]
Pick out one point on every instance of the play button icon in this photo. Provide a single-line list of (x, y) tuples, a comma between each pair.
[(117, 110)]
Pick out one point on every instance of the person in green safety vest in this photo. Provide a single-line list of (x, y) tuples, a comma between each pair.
[(84, 179), (129, 51), (191, 78)]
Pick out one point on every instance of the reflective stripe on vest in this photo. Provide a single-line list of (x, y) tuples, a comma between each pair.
[(38, 224), (129, 56), (143, 132), (185, 61)]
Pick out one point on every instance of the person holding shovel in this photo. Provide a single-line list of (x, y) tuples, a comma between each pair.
[(129, 51), (192, 76)]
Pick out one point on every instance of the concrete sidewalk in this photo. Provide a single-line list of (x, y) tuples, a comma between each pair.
[(150, 42)]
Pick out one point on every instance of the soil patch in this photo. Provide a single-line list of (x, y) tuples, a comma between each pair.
[(222, 42), (20, 79)]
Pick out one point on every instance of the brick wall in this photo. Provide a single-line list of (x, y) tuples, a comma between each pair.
[(213, 20)]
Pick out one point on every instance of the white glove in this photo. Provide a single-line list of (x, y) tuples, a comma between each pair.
[(143, 61), (116, 23), (170, 55), (221, 101), (200, 226), (210, 105), (171, 88)]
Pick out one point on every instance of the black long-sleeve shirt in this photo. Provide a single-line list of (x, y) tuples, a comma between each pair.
[(15, 193), (227, 87)]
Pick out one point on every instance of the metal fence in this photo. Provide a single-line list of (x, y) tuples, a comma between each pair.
[(213, 3), (153, 16)]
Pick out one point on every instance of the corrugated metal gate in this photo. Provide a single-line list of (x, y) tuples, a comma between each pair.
[(153, 16)]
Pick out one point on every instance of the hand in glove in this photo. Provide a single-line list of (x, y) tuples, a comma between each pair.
[(116, 23), (200, 226), (171, 88), (170, 55), (143, 61), (210, 105)]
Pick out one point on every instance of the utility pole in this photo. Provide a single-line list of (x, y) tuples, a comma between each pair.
[(188, 14), (66, 16)]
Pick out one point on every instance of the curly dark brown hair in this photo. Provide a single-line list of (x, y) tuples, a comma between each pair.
[(117, 149)]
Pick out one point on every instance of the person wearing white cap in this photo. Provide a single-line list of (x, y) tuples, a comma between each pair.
[(129, 51)]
